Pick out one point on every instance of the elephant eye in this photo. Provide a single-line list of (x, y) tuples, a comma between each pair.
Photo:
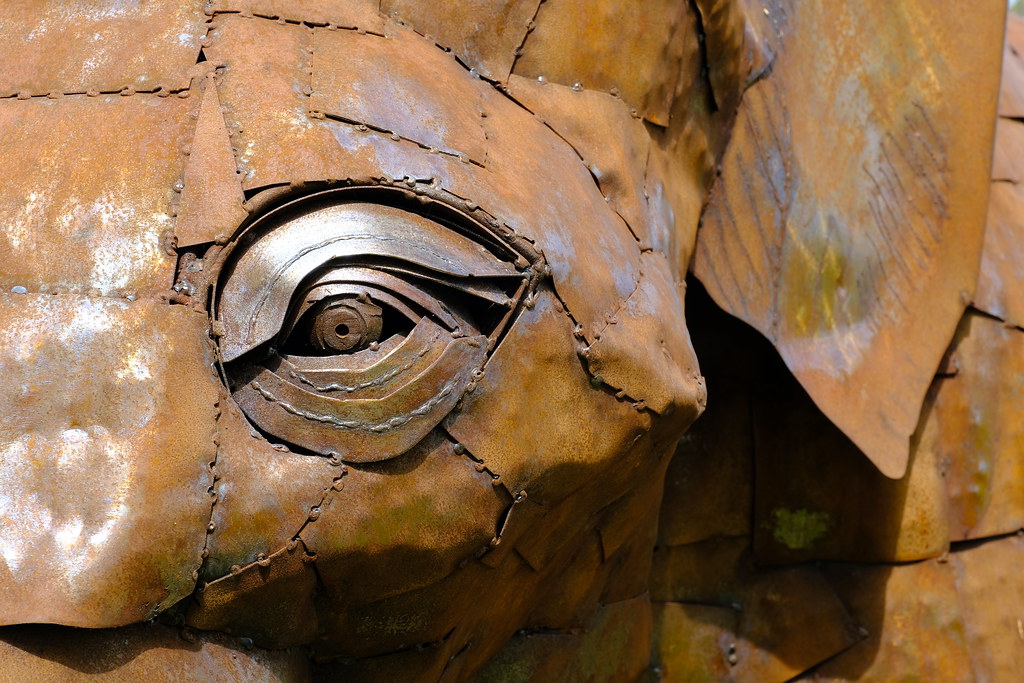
[(350, 329)]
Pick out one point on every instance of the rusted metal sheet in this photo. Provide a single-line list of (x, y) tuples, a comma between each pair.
[(630, 51), (614, 647), (913, 620), (766, 625), (531, 449), (729, 49), (80, 46), (262, 92), (211, 193), (998, 292), (618, 169), (361, 15), (365, 79), (644, 351), (973, 430), (692, 642), (709, 484), (108, 432), (485, 34), (1008, 157), (264, 494), (992, 601), (89, 181), (853, 245), (277, 610), (1011, 94), (141, 652), (533, 181), (394, 529), (803, 460)]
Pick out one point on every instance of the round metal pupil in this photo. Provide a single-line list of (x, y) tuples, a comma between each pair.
[(346, 324)]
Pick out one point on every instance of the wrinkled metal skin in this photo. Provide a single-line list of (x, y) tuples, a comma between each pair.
[(346, 340)]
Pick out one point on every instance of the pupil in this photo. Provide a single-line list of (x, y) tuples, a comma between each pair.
[(342, 330)]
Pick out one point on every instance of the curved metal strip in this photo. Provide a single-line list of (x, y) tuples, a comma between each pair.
[(364, 430), (257, 292)]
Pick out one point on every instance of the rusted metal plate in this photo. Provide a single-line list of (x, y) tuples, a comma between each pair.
[(619, 48), (999, 292), (858, 269), (485, 34), (110, 411), (614, 647), (692, 642), (778, 624), (1008, 159), (401, 526), (263, 95), (913, 620), (360, 15), (77, 46), (264, 494), (211, 194), (270, 601), (86, 202), (1011, 94), (973, 429), (709, 485), (380, 97), (803, 460), (729, 49), (585, 118), (644, 351), (992, 600), (141, 652), (527, 444)]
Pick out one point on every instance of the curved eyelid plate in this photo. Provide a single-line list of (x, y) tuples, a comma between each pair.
[(256, 296)]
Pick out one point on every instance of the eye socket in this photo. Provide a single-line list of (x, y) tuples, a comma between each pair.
[(351, 329)]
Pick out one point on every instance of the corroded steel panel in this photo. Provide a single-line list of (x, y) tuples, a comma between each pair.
[(110, 411), (486, 35), (629, 50), (973, 429), (81, 46), (361, 15), (854, 246), (89, 207)]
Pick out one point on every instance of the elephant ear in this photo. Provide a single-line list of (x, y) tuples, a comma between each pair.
[(847, 221)]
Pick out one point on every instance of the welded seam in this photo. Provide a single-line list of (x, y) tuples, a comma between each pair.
[(294, 21), (159, 91), (364, 127), (530, 26)]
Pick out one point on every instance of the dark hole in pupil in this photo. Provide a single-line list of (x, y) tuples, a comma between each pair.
[(342, 330)]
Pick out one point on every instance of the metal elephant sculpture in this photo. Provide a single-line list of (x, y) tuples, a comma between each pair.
[(346, 340)]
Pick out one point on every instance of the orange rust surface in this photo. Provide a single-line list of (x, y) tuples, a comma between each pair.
[(524, 549), (89, 209), (632, 51), (76, 46), (490, 47), (106, 446), (854, 246)]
